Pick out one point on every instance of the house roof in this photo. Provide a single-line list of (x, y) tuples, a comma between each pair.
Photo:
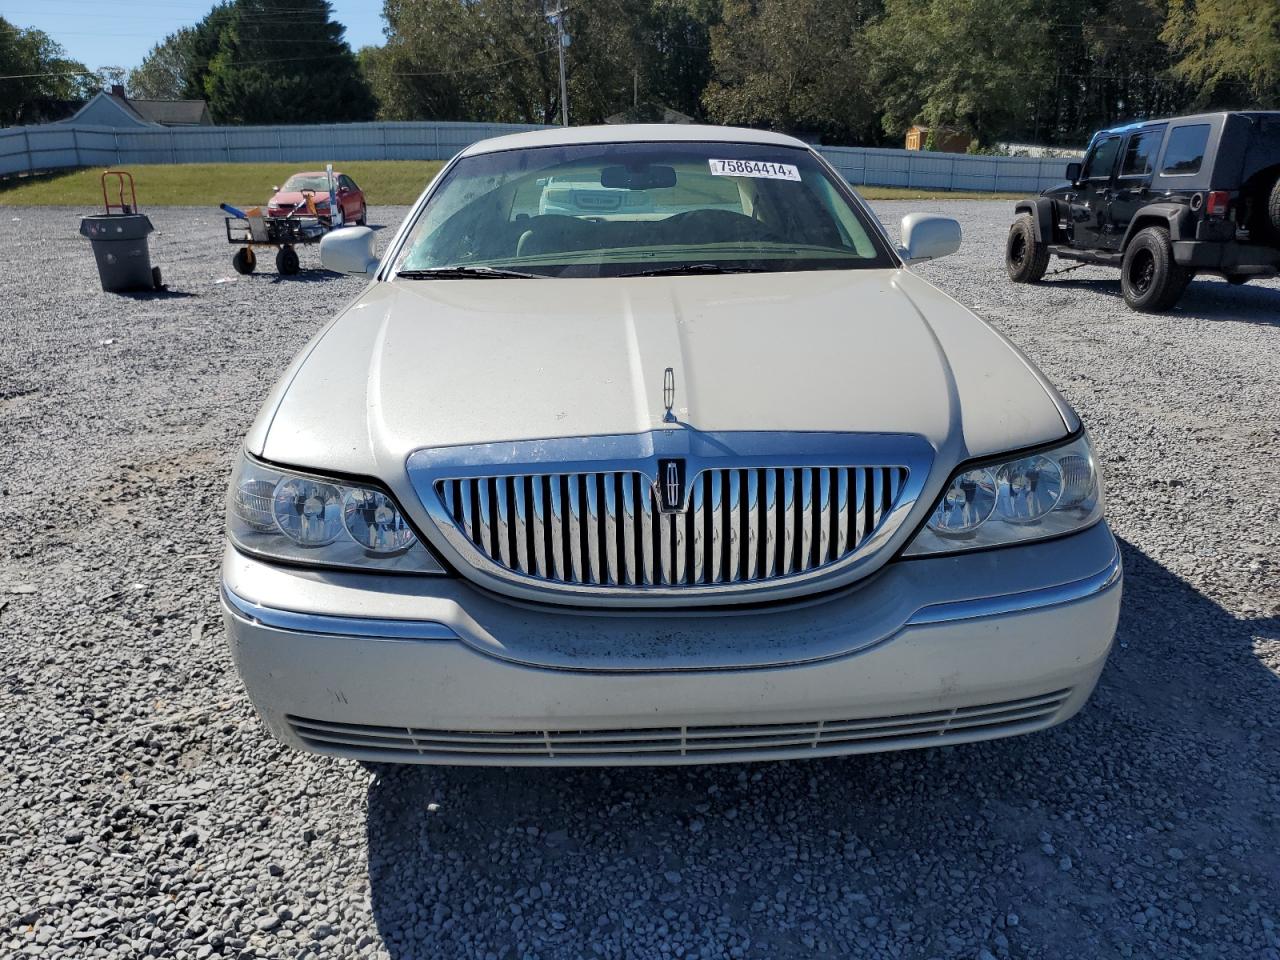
[(171, 113), (165, 113)]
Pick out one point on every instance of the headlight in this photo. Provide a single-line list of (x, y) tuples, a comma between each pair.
[(303, 519), (1031, 497)]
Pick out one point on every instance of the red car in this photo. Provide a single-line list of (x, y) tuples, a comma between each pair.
[(292, 197)]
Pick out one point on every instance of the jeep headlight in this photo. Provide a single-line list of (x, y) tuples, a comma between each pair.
[(1015, 500), (299, 518)]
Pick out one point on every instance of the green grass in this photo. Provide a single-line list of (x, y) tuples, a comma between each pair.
[(208, 184), (393, 182)]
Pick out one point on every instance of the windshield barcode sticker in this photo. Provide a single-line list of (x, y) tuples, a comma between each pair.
[(754, 168)]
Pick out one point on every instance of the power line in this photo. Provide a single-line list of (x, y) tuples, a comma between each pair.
[(249, 63)]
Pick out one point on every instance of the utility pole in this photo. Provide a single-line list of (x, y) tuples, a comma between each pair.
[(563, 41)]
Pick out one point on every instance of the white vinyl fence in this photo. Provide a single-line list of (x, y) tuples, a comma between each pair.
[(58, 146)]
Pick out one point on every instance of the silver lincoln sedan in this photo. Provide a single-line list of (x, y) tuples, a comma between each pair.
[(646, 445)]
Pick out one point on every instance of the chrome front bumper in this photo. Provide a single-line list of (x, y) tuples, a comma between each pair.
[(431, 670)]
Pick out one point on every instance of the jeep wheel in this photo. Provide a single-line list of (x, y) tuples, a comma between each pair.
[(1025, 257), (1150, 278)]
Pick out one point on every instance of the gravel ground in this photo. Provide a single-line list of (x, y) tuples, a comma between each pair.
[(143, 811)]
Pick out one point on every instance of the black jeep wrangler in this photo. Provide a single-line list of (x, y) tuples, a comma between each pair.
[(1162, 200)]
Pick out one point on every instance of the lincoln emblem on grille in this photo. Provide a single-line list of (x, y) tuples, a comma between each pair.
[(669, 395), (670, 486)]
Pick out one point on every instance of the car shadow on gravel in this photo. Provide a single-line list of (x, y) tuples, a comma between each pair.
[(307, 276), (1204, 300), (1049, 844)]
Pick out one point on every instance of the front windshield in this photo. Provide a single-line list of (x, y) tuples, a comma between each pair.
[(299, 182), (616, 209)]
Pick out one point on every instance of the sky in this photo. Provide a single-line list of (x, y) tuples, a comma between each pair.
[(118, 33)]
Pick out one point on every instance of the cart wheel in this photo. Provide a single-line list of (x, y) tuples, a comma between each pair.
[(156, 281), (245, 260), (287, 261)]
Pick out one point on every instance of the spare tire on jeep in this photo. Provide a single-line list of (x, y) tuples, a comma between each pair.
[(1025, 257)]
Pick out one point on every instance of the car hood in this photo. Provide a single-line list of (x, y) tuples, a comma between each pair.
[(414, 364)]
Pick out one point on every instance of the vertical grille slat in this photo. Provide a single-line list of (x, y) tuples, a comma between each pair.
[(732, 534), (751, 526), (484, 526), (538, 527), (786, 522), (606, 529), (592, 527), (876, 499), (841, 511), (520, 522), (573, 531), (769, 523), (644, 532), (824, 518), (556, 528), (858, 506), (715, 531), (698, 529), (807, 497), (620, 485)]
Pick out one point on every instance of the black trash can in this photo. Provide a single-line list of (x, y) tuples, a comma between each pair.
[(119, 242)]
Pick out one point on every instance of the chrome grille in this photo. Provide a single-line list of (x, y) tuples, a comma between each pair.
[(671, 744), (740, 525)]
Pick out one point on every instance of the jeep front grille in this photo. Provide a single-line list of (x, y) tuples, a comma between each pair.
[(605, 529)]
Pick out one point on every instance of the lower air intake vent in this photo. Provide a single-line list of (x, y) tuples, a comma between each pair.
[(679, 744)]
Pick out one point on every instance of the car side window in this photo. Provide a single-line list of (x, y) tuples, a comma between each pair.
[(1185, 150), (1140, 152), (1102, 159)]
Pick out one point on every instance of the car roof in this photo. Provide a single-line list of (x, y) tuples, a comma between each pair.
[(632, 133), (313, 173), (1204, 117)]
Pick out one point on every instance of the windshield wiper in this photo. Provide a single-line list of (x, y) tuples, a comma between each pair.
[(692, 268), (465, 273)]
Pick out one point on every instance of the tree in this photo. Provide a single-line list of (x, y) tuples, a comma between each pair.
[(977, 65), (165, 73), (467, 60), (40, 73), (794, 65), (178, 67), (1229, 49), (497, 59), (629, 51), (260, 61), (280, 61)]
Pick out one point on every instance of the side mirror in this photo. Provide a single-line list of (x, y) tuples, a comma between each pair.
[(928, 237), (1073, 171), (276, 188), (349, 250)]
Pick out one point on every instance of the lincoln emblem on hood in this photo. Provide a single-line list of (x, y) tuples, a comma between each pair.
[(669, 395)]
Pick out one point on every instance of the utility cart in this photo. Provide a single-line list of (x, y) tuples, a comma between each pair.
[(250, 231)]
